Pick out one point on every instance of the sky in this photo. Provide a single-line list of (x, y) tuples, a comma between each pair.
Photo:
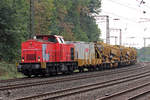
[(135, 24)]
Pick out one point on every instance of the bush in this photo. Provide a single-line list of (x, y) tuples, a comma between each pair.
[(8, 71)]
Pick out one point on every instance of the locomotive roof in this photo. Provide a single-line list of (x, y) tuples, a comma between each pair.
[(48, 36)]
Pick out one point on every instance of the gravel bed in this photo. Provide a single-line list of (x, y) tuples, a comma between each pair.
[(102, 92), (62, 85), (144, 97)]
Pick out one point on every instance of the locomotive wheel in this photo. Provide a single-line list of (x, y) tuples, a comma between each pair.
[(104, 66), (52, 74), (81, 70), (89, 69), (96, 68), (35, 75), (29, 75), (70, 70)]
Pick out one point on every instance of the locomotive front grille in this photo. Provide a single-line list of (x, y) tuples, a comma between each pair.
[(31, 57)]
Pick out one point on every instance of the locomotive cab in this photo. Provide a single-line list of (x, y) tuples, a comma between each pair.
[(50, 38)]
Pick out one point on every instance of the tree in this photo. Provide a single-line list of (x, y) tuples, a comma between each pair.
[(71, 18), (13, 27), (43, 13)]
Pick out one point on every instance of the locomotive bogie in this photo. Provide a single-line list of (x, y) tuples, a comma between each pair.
[(29, 69)]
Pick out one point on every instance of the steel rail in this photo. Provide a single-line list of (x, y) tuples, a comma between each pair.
[(64, 79), (125, 91), (86, 88)]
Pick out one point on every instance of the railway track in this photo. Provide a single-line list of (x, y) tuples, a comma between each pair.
[(85, 88), (17, 80), (125, 93), (64, 79), (35, 78), (143, 94)]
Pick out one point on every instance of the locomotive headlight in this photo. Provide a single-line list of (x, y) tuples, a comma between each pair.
[(38, 58), (22, 59)]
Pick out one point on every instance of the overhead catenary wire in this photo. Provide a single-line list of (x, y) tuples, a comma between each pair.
[(130, 7), (126, 16), (124, 5), (121, 17), (143, 3)]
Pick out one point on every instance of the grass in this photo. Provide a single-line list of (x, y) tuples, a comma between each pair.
[(8, 71)]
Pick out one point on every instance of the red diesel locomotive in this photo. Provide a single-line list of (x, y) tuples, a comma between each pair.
[(46, 54)]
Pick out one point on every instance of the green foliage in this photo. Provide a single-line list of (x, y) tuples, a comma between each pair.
[(72, 19), (144, 54), (13, 28), (8, 71), (43, 13)]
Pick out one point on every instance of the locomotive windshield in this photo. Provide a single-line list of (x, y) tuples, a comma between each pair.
[(52, 39), (47, 38)]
